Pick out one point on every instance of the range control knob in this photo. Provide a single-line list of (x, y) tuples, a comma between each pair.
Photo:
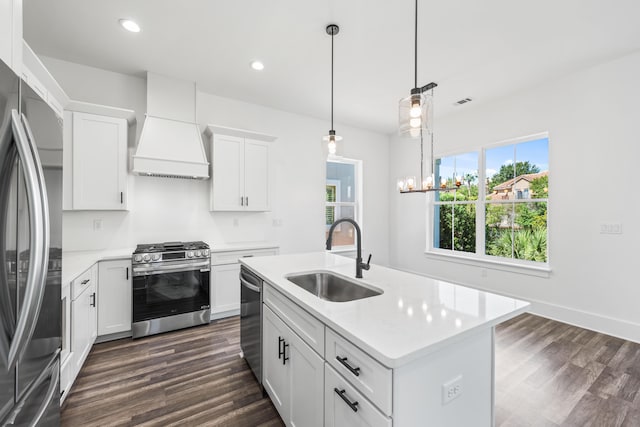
[(205, 252), (155, 257), (190, 254), (198, 253), (146, 257), (137, 258)]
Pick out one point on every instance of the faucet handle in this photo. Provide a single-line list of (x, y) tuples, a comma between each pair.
[(367, 266)]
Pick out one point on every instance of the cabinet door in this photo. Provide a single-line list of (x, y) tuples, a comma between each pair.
[(275, 372), (114, 297), (83, 324), (306, 381), (227, 185), (92, 319), (256, 175), (225, 288), (99, 162), (293, 374)]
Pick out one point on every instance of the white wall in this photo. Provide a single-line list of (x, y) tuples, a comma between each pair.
[(594, 152), (168, 209)]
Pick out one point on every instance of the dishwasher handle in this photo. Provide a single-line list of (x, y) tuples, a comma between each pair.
[(249, 286)]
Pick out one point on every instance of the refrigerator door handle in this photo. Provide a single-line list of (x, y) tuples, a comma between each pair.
[(52, 392), (52, 371), (38, 239)]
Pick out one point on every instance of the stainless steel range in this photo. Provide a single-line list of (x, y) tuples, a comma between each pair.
[(170, 287)]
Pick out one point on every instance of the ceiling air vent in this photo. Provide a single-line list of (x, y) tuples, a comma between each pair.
[(463, 101)]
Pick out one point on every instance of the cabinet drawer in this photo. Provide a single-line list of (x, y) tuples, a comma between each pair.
[(371, 378), (310, 329), (338, 413), (82, 282), (232, 257)]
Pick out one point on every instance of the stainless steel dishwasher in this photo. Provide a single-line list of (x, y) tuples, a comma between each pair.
[(251, 320)]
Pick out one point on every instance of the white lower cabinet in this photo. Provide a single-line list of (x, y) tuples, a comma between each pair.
[(293, 374), (114, 304), (225, 280), (358, 390), (345, 406), (225, 289), (84, 317)]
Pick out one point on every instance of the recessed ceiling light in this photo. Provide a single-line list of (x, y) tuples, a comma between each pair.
[(257, 65), (130, 25)]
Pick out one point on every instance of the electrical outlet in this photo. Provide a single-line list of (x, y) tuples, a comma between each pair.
[(610, 228), (97, 225), (451, 389)]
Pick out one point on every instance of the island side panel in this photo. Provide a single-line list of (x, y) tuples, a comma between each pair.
[(418, 386)]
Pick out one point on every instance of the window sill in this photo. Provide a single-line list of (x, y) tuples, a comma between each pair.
[(530, 270)]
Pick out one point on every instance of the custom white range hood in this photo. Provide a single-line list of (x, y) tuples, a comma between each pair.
[(170, 144)]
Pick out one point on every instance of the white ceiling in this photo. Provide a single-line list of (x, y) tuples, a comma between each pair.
[(480, 49)]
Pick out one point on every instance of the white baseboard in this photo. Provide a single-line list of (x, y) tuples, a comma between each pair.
[(595, 322)]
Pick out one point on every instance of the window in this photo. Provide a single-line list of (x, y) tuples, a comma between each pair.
[(500, 208), (342, 200)]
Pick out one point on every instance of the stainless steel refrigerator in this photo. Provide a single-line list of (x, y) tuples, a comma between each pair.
[(30, 255)]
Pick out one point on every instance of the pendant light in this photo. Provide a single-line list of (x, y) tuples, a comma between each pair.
[(416, 121), (416, 110), (332, 138)]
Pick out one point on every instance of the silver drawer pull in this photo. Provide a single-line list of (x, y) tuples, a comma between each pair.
[(343, 361), (352, 405)]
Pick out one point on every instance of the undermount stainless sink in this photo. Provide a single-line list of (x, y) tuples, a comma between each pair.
[(330, 287)]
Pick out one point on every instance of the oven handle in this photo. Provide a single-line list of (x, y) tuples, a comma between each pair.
[(147, 271), (249, 286)]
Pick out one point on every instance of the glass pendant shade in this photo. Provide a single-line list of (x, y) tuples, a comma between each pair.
[(415, 115), (331, 140)]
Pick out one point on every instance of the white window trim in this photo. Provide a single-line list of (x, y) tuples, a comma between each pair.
[(479, 258), (358, 199)]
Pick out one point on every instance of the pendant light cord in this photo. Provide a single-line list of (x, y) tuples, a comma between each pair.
[(332, 79), (415, 48)]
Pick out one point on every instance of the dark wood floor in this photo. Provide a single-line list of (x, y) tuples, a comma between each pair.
[(191, 377), (547, 374), (553, 374)]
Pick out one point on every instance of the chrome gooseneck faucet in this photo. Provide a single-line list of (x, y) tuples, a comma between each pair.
[(359, 264)]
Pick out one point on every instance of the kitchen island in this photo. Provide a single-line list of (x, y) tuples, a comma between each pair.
[(419, 354)]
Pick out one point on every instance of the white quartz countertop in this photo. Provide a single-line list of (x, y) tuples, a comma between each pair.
[(415, 315), (245, 246), (75, 263)]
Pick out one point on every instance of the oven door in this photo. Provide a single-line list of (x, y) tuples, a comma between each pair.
[(167, 291)]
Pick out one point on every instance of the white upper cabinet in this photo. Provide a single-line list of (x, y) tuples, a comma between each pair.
[(95, 157), (227, 182), (11, 33), (240, 170), (256, 175)]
